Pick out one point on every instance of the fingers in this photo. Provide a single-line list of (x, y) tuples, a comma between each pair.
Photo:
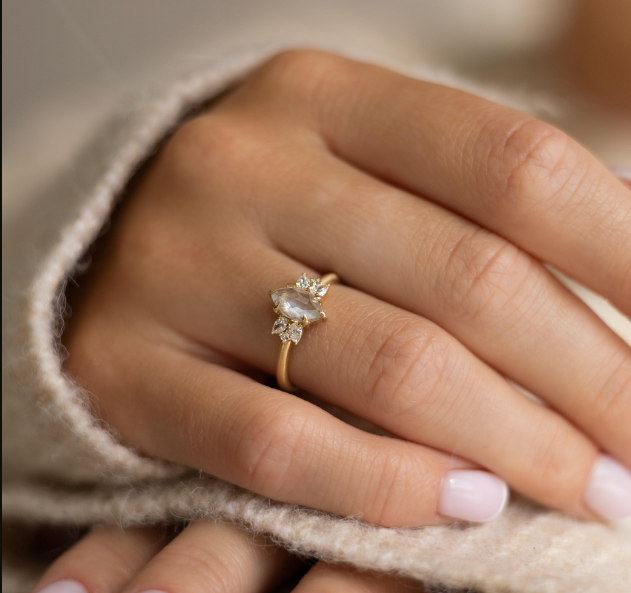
[(386, 365), (399, 371), (206, 557), (394, 369), (183, 409), (408, 376), (343, 579), (496, 299), (104, 561), (499, 301), (513, 174), (210, 557), (155, 386)]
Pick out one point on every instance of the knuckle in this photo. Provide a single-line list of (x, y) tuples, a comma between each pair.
[(531, 165), (207, 146), (557, 464), (392, 478), (484, 275), (270, 447), (297, 73), (294, 59), (407, 367)]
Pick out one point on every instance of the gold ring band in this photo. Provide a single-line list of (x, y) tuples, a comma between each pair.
[(297, 306)]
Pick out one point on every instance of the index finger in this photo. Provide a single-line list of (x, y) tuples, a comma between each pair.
[(518, 176)]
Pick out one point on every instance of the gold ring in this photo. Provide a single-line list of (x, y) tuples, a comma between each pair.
[(297, 306)]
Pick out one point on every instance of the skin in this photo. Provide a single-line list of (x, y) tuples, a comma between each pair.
[(207, 557), (436, 215), (436, 208)]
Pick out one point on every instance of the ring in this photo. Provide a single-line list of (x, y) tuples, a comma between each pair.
[(297, 306)]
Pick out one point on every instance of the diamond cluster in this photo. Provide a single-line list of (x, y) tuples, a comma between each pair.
[(297, 306)]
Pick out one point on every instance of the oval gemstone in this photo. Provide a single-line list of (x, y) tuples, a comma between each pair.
[(296, 304)]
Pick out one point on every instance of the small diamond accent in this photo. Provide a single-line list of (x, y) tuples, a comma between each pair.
[(280, 325), (284, 337), (295, 333), (303, 282), (321, 290)]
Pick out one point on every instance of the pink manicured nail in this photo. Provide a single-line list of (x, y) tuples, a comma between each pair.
[(608, 491), (622, 173), (65, 587), (472, 495)]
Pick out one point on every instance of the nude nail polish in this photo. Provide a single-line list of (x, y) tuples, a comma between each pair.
[(608, 491), (64, 587), (472, 495)]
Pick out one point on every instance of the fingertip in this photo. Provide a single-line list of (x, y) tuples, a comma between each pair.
[(65, 586), (623, 174), (472, 495), (608, 490)]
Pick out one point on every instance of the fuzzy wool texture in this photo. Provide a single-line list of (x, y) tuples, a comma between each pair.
[(60, 466), (530, 550)]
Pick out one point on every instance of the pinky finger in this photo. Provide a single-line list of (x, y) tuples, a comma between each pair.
[(343, 579), (105, 560)]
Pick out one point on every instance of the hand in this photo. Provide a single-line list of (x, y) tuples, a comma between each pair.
[(436, 208), (207, 557)]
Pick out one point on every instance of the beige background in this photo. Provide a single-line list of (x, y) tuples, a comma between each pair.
[(67, 62), (56, 47)]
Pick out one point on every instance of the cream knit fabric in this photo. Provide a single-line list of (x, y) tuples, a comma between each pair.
[(50, 436)]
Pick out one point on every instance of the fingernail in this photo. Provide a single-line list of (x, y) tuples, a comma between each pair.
[(65, 587), (472, 495), (622, 173), (608, 491)]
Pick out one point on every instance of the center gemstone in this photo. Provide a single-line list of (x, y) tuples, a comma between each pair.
[(296, 303)]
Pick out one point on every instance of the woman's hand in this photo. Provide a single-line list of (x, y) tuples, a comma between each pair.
[(436, 208), (207, 557)]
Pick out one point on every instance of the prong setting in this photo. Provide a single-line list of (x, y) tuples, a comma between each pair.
[(297, 306)]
